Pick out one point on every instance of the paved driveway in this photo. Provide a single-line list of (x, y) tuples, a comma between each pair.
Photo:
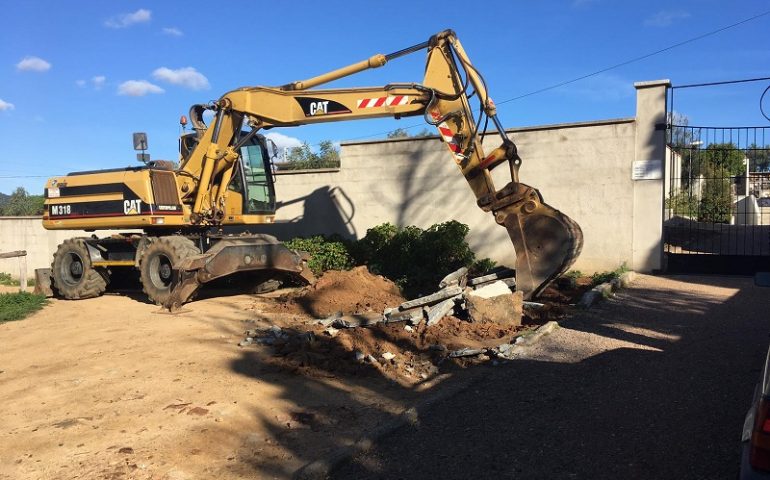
[(652, 385)]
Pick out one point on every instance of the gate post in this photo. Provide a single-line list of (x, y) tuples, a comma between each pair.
[(647, 175)]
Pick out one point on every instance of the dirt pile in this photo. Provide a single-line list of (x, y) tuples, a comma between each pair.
[(403, 351), (354, 291)]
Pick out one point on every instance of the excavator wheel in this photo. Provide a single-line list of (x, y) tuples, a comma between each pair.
[(74, 277), (158, 261)]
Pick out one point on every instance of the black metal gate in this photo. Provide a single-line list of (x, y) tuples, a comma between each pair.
[(717, 199)]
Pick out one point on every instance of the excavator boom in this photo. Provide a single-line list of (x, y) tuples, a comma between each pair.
[(546, 241)]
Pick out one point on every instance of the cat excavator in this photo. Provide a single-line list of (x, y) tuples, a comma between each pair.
[(225, 178)]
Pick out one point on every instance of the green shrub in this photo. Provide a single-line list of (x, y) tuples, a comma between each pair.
[(5, 279), (482, 266), (416, 259), (602, 277), (15, 306), (327, 253)]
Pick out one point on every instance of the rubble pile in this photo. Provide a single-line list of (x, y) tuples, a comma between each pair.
[(368, 326)]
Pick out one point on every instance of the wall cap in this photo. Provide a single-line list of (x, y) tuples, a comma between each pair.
[(553, 126), (653, 83)]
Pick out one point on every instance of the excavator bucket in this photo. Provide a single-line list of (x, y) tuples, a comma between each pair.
[(547, 242)]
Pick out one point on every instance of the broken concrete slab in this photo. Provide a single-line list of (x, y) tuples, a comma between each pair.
[(493, 289), (502, 273), (360, 320), (448, 292), (502, 309), (458, 277), (440, 310)]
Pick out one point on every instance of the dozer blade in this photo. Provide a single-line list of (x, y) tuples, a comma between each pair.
[(547, 242), (235, 254)]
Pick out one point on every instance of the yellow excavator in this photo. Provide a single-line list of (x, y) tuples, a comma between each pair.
[(225, 178)]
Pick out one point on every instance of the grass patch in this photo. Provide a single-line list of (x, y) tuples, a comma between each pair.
[(15, 306), (603, 277), (5, 279)]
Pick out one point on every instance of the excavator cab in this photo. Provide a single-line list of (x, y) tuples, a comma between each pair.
[(254, 178)]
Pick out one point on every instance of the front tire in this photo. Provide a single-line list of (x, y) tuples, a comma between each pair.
[(158, 261), (74, 277)]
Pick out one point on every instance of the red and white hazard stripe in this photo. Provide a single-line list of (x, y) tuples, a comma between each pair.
[(389, 101), (448, 135)]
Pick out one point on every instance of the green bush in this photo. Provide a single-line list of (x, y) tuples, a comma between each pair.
[(414, 259), (327, 253), (716, 203), (15, 306), (602, 277)]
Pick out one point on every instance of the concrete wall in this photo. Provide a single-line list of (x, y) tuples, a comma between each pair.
[(27, 233), (583, 169)]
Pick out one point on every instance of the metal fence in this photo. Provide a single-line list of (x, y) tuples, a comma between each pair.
[(717, 206)]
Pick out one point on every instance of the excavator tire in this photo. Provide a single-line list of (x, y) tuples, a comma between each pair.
[(74, 277), (158, 261)]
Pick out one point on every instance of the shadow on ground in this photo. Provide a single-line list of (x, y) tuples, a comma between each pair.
[(665, 400)]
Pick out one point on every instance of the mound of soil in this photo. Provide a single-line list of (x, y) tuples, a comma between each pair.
[(355, 291)]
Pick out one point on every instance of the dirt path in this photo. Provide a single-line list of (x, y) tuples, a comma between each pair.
[(107, 388), (652, 385)]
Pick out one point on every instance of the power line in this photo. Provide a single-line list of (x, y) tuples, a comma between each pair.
[(606, 69), (636, 59)]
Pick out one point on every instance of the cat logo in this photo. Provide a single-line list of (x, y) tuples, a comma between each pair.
[(319, 108), (132, 207)]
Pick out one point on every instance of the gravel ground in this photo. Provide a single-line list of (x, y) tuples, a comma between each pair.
[(652, 384)]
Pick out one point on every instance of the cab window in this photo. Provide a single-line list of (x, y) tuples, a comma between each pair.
[(259, 190)]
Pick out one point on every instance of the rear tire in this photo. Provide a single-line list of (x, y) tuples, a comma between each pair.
[(73, 276), (157, 262)]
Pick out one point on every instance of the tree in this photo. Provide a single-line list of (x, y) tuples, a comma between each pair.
[(716, 201), (21, 203), (725, 158), (759, 157), (304, 158), (403, 133), (398, 133)]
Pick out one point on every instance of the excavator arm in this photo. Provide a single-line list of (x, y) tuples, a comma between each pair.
[(546, 241)]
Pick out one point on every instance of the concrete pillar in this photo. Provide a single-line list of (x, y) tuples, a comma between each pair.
[(648, 177)]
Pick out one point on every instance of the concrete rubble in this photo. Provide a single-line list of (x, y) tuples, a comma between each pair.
[(485, 299)]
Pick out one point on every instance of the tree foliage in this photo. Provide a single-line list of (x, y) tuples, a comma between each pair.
[(759, 158), (404, 133), (21, 203), (304, 158)]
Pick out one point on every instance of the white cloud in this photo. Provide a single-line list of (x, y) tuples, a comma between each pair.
[(98, 81), (665, 18), (138, 88), (186, 77), (80, 83), (127, 19), (6, 106), (172, 32), (33, 64), (283, 142)]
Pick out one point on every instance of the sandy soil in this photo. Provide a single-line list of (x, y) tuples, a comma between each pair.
[(111, 388), (108, 388)]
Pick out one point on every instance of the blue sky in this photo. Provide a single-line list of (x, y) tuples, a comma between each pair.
[(78, 77)]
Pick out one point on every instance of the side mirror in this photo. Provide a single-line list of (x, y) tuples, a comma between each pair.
[(140, 141), (272, 149)]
